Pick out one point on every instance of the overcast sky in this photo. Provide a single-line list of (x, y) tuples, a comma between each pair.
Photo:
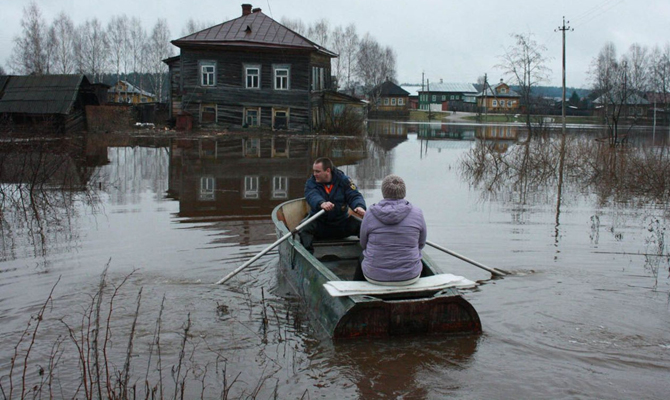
[(453, 40)]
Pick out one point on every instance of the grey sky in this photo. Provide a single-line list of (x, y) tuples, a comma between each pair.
[(453, 40)]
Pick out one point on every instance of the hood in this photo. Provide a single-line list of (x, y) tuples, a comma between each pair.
[(391, 212)]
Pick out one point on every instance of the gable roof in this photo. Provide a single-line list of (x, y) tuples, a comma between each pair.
[(389, 88), (253, 30), (492, 91), (45, 94), (451, 87)]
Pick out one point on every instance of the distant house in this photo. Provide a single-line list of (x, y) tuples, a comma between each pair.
[(124, 92), (47, 103), (633, 106), (413, 91), (438, 96), (249, 72), (499, 98), (389, 101)]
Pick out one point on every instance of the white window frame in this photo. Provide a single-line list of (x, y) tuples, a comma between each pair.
[(393, 101), (251, 183), (281, 82), (386, 101), (207, 188), (434, 98), (251, 147), (208, 73), (252, 80), (401, 101), (258, 116), (494, 103), (279, 187), (275, 111)]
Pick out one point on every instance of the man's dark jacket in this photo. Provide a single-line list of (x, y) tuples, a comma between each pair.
[(344, 195)]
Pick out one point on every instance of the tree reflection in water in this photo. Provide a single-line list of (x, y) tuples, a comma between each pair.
[(550, 169), (41, 183)]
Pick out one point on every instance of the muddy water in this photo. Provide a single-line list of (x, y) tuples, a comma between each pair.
[(585, 313)]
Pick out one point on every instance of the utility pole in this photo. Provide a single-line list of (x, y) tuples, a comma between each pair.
[(563, 29)]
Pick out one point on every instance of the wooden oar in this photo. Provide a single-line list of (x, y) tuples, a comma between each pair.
[(272, 246), (494, 271)]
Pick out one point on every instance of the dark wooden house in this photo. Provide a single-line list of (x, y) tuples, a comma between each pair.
[(389, 101), (250, 72), (46, 104)]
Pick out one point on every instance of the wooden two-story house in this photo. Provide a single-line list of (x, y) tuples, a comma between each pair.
[(499, 98), (249, 72)]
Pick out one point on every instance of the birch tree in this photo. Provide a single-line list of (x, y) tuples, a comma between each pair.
[(137, 43), (659, 75), (374, 65), (320, 32), (62, 36), (118, 39), (345, 43), (193, 26), (619, 82), (159, 48), (93, 48), (29, 53), (296, 25), (524, 65)]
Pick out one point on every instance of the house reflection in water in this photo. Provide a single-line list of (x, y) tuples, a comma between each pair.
[(446, 131), (236, 181)]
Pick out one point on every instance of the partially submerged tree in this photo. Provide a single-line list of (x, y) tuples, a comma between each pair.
[(524, 64), (620, 84)]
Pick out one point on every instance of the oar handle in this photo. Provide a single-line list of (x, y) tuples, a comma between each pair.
[(473, 262), (272, 246)]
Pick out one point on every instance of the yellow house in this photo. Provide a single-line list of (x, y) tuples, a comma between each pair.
[(124, 92), (499, 98)]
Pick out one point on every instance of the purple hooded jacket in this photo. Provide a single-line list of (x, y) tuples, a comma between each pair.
[(393, 233)]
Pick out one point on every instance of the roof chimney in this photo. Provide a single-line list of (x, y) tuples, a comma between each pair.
[(246, 9), (255, 10)]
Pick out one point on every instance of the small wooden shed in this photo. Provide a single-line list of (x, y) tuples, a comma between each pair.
[(47, 103)]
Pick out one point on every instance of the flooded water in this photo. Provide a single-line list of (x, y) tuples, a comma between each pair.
[(129, 235)]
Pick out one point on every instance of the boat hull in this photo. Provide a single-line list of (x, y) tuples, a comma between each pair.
[(435, 312)]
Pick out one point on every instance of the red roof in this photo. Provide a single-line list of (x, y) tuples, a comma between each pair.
[(255, 30)]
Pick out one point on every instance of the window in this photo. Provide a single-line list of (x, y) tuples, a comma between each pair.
[(280, 119), (252, 117), (401, 101), (495, 103), (393, 101), (434, 98), (207, 73), (252, 147), (509, 103), (253, 76), (452, 97), (250, 187), (207, 113), (206, 188), (318, 78), (281, 78), (444, 97), (280, 187), (386, 101)]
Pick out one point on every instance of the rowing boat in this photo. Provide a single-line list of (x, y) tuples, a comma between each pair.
[(429, 311)]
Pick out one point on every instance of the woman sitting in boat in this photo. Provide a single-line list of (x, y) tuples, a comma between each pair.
[(392, 235)]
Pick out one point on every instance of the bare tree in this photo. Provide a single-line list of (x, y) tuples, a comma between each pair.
[(2, 71), (348, 54), (374, 65), (29, 53), (137, 42), (524, 64), (659, 76), (62, 37), (93, 48), (118, 39), (296, 25), (320, 32), (193, 26), (159, 48), (619, 84)]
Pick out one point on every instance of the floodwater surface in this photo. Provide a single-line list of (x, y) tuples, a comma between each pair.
[(111, 247)]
